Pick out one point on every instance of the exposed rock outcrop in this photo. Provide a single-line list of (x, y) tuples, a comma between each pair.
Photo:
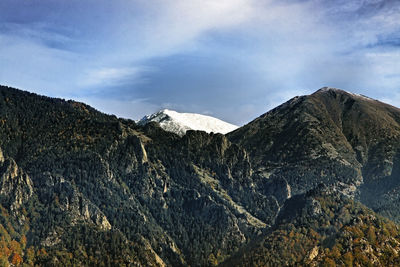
[(15, 185)]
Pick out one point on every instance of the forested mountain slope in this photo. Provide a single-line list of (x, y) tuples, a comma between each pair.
[(324, 228), (79, 187), (331, 137), (99, 189)]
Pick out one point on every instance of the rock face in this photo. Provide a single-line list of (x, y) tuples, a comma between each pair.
[(98, 190), (15, 185)]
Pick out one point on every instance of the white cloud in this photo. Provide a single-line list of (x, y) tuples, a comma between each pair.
[(133, 32), (167, 27), (112, 76)]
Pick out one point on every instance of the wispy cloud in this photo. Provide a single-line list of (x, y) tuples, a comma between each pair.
[(113, 76)]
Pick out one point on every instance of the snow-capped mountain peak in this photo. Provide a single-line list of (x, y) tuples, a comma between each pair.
[(179, 123)]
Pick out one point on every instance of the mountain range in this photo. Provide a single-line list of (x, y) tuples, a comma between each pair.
[(315, 181)]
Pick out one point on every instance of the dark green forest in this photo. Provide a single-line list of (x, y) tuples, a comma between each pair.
[(313, 182)]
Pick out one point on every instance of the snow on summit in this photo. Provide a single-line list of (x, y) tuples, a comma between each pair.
[(179, 123)]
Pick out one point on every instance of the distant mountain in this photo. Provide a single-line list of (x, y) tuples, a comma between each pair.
[(301, 185), (179, 123)]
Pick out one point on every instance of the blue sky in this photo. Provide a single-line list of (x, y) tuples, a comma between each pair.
[(233, 59)]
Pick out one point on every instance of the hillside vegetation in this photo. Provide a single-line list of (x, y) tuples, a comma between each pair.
[(81, 188)]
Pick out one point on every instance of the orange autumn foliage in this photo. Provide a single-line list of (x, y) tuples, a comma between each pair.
[(16, 259)]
